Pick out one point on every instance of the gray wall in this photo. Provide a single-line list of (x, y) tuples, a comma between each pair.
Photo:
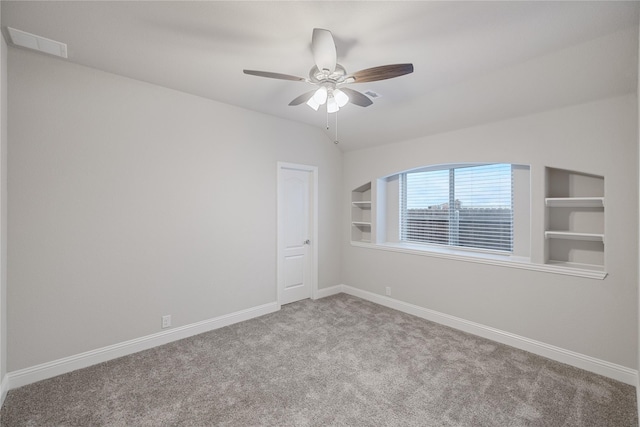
[(593, 317), (128, 201), (3, 207), (638, 263)]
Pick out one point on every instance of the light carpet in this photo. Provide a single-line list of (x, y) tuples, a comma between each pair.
[(338, 361)]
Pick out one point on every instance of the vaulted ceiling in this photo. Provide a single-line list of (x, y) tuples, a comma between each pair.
[(474, 61)]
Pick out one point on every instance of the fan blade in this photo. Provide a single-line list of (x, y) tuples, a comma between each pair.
[(274, 75), (382, 73), (356, 97), (324, 50), (302, 98)]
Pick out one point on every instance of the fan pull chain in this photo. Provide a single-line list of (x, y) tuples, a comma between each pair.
[(336, 113)]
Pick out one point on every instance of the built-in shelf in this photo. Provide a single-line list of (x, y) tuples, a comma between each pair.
[(574, 202), (570, 235), (574, 223), (361, 214)]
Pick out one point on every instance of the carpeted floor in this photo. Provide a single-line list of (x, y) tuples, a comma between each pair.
[(339, 361)]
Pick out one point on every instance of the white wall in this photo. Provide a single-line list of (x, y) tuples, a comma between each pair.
[(128, 201), (597, 318)]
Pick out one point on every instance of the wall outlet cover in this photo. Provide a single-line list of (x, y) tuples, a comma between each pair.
[(166, 321)]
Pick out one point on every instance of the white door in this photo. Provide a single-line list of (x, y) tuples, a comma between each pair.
[(296, 232)]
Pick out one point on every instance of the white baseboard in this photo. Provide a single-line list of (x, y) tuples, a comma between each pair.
[(51, 369), (588, 363), (4, 389), (327, 292)]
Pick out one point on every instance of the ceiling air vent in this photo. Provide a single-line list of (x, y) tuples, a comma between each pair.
[(372, 94), (41, 44)]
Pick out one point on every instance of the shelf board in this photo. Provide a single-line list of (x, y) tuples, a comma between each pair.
[(574, 202), (362, 203), (570, 235), (361, 224)]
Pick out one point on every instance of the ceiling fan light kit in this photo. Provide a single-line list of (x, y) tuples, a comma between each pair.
[(312, 103), (331, 78), (341, 98), (332, 105), (320, 97)]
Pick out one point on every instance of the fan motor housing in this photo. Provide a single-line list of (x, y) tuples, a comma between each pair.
[(319, 76)]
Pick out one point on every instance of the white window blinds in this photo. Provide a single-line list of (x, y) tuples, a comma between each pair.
[(468, 206)]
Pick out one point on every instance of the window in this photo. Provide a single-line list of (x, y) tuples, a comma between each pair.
[(469, 207)]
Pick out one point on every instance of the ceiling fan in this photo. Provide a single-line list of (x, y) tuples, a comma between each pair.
[(331, 77)]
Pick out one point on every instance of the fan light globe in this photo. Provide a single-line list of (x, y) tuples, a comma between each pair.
[(320, 97), (332, 105), (341, 98), (313, 104)]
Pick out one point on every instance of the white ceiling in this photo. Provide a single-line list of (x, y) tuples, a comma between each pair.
[(474, 61)]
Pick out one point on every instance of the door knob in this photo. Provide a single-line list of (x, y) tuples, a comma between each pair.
[(307, 242)]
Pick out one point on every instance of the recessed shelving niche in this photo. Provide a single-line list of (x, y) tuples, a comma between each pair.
[(361, 213), (575, 204)]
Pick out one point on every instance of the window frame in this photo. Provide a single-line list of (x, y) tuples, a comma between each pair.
[(453, 233)]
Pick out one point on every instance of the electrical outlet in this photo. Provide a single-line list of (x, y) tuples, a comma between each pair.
[(388, 291), (166, 321)]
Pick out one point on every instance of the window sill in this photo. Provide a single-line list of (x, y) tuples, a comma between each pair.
[(484, 258)]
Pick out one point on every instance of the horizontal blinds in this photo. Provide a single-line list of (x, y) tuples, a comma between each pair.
[(468, 207)]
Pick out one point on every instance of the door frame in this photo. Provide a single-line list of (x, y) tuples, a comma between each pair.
[(314, 226)]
